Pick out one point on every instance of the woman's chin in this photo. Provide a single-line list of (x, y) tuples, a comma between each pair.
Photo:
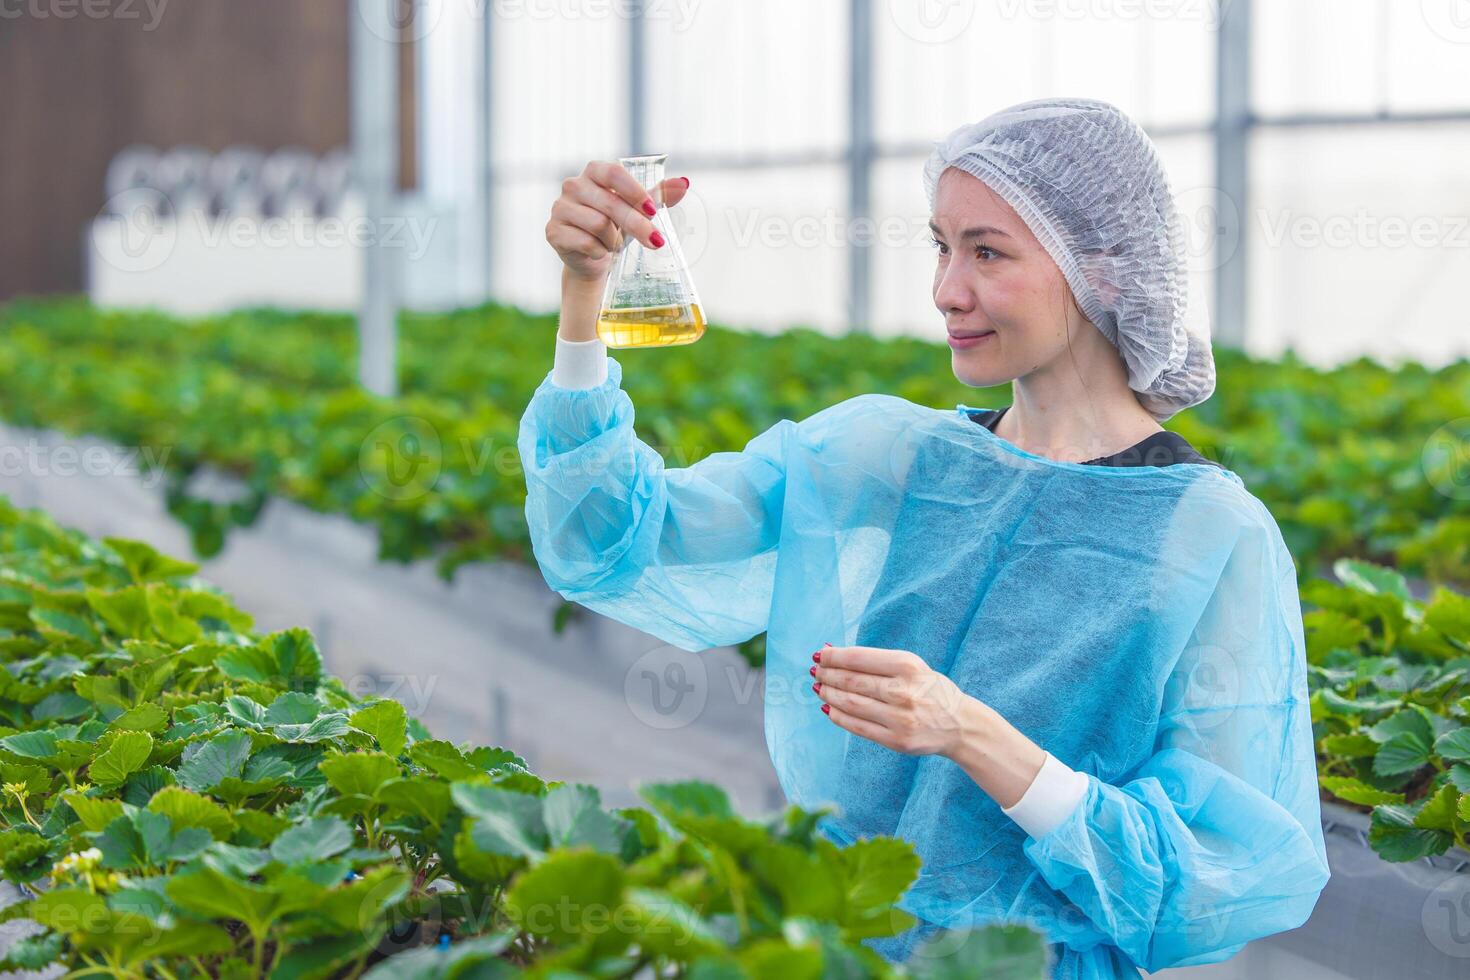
[(976, 375)]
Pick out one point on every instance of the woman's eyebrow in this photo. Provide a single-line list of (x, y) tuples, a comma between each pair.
[(975, 232)]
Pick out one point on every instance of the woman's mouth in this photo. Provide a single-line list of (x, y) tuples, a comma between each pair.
[(966, 341)]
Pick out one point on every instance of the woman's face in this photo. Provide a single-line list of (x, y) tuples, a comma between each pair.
[(993, 277)]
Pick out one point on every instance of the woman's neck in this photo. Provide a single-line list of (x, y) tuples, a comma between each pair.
[(1090, 427)]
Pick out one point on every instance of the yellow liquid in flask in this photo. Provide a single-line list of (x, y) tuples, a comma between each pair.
[(651, 326)]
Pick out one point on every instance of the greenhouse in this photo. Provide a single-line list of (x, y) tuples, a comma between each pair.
[(956, 490)]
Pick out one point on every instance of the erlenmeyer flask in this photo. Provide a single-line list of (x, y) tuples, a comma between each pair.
[(650, 299)]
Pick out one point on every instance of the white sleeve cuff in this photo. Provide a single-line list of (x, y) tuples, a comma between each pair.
[(1056, 791), (579, 363)]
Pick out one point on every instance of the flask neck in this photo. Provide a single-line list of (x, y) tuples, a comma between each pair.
[(649, 172)]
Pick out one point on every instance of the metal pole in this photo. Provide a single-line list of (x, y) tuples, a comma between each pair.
[(1232, 134), (860, 167), (487, 147), (637, 44), (374, 66)]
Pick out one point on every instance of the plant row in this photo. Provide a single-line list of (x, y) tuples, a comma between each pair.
[(185, 797), (1390, 681), (1363, 460)]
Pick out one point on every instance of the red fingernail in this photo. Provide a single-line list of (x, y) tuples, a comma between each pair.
[(685, 180), (813, 670), (817, 687), (826, 709), (817, 656), (657, 239), (648, 207)]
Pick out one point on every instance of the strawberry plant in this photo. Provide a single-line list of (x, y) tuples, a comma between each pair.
[(181, 796), (1390, 679), (1361, 461)]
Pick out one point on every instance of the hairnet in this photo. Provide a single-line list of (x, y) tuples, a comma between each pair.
[(1087, 181)]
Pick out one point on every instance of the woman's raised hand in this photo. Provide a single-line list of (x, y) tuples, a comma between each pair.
[(596, 209)]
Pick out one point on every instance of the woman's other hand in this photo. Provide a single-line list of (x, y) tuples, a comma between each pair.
[(894, 698), (596, 209)]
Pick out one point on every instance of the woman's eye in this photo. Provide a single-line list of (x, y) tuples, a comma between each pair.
[(939, 245), (980, 251)]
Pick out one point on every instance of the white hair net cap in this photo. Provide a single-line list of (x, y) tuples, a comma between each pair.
[(1087, 181)]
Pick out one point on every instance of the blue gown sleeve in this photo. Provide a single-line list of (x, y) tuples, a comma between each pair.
[(686, 554), (1216, 839)]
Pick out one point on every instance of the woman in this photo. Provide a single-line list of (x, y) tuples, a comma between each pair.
[(1050, 645)]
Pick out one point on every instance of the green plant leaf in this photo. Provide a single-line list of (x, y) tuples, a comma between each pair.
[(1449, 613), (1372, 578), (774, 958), (292, 708), (145, 564), (501, 821), (1393, 835), (358, 773), (220, 757), (1352, 746), (385, 721), (573, 815), (568, 895), (879, 870), (323, 959), (689, 797), (54, 621), (443, 758), (1438, 811), (1008, 952), (169, 621), (244, 712), (1410, 721), (146, 717), (125, 611), (1454, 745), (185, 808), (416, 796), (95, 814), (143, 839), (1357, 791), (248, 663), (31, 745), (1402, 753), (312, 840), (211, 893), (807, 885), (125, 756), (330, 725)]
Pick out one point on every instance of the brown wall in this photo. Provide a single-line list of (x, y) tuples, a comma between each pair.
[(212, 73)]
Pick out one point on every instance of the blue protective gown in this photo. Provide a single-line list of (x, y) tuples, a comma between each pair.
[(1142, 624)]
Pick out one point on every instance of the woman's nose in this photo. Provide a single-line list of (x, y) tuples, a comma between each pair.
[(951, 291)]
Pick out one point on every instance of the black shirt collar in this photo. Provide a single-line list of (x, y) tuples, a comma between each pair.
[(1160, 449)]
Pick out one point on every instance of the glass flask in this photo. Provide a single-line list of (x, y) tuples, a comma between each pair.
[(650, 300)]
